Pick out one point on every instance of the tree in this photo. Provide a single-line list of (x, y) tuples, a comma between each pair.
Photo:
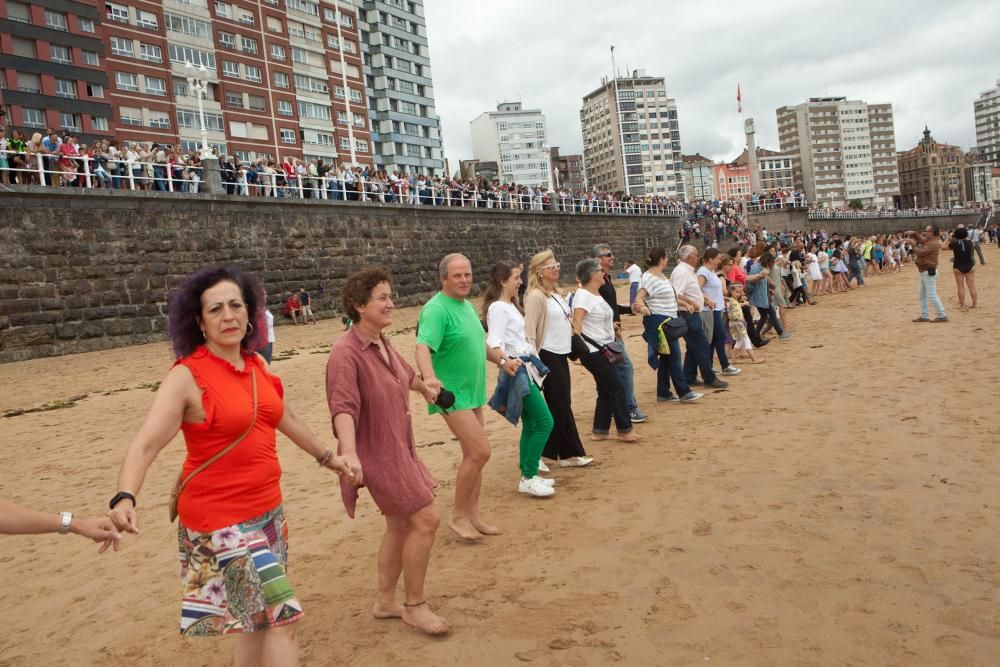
[(856, 204)]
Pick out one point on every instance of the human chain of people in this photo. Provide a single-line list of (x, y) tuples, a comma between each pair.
[(223, 396)]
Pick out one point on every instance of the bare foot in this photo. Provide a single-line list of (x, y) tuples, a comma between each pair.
[(629, 437), (758, 361), (485, 528), (464, 529), (422, 618), (387, 610), (598, 437)]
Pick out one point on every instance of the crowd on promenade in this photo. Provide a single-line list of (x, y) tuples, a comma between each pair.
[(222, 395)]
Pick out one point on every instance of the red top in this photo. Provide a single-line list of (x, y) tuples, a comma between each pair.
[(737, 275), (244, 483)]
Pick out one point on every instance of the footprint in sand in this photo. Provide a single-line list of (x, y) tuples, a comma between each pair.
[(702, 528)]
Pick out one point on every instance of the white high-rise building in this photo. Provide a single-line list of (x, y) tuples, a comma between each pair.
[(515, 139), (631, 137), (842, 150), (987, 110)]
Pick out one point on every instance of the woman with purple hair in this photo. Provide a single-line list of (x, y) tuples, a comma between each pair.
[(232, 532)]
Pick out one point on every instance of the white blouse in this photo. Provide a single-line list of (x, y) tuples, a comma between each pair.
[(558, 329), (598, 323), (505, 329)]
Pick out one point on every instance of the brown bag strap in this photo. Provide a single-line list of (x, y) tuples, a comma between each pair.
[(229, 448)]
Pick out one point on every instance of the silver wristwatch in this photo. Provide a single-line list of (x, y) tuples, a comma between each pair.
[(65, 518)]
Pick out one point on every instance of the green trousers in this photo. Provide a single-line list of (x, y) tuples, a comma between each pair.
[(536, 424)]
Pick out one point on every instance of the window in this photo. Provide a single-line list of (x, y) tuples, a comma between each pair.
[(187, 26), (274, 24), (230, 69), (249, 45), (33, 117), (224, 10), (284, 107), (256, 103), (160, 119), (55, 20), (180, 88), (355, 95), (95, 90), (69, 121), (407, 107), (86, 25), (130, 116), (99, 123), (361, 146), (247, 18), (18, 11), (310, 84), (346, 20), (185, 54), (277, 52), (23, 47), (156, 86), (147, 20), (253, 73), (90, 58), (304, 6), (60, 54), (342, 117), (311, 110), (227, 40), (150, 52), (65, 88), (280, 80), (404, 86), (117, 12), (234, 100), (127, 81), (287, 136), (29, 83), (122, 47), (345, 143), (299, 55)]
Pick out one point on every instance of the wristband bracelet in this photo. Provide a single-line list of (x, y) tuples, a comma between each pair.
[(120, 496), (325, 457)]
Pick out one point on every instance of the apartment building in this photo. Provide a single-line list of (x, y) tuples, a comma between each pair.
[(699, 181), (514, 138), (400, 90), (53, 72), (841, 150), (932, 174), (987, 113), (282, 78), (631, 137), (567, 170)]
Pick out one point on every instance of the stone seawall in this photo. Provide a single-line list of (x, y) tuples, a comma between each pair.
[(91, 270), (782, 220)]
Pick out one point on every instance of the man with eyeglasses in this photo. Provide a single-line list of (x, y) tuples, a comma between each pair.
[(602, 253)]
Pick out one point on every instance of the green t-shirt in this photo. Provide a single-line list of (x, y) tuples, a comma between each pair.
[(452, 330)]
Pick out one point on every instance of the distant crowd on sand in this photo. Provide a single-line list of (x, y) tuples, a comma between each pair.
[(223, 396)]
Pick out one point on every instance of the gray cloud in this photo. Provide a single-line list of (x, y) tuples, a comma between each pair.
[(929, 59)]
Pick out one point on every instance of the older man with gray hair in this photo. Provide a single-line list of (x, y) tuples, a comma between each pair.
[(691, 301), (602, 253)]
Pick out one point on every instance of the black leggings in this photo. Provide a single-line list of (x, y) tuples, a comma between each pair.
[(767, 315), (751, 329)]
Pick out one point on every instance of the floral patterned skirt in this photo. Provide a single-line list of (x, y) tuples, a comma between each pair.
[(234, 578)]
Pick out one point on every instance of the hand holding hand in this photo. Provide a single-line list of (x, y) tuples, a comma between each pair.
[(350, 467), (124, 518), (510, 368), (100, 529)]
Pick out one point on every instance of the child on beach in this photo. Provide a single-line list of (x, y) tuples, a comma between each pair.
[(737, 325)]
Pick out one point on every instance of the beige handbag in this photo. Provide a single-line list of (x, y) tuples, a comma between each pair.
[(180, 484)]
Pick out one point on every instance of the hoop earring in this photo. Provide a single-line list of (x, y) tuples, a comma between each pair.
[(250, 324), (203, 336)]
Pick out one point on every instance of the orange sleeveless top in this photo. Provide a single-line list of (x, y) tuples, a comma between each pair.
[(245, 483)]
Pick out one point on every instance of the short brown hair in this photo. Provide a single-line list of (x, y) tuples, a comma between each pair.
[(357, 289)]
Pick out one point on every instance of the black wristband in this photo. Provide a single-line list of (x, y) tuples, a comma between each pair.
[(120, 496)]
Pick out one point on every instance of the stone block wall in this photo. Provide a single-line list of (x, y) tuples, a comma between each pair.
[(798, 219), (90, 270)]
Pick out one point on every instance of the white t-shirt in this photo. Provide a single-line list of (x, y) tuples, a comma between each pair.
[(634, 273), (598, 324), (558, 329), (659, 295), (505, 329), (712, 288), (269, 319), (686, 284)]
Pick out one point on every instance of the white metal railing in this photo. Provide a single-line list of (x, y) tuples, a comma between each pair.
[(775, 203), (827, 214), (70, 170)]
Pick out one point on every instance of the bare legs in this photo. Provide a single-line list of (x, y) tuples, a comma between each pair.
[(275, 647), (961, 281), (467, 426), (406, 549)]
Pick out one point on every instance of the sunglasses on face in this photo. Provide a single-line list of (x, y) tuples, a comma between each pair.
[(606, 254), (555, 266)]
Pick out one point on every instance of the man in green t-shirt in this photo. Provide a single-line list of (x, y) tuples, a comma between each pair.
[(452, 352)]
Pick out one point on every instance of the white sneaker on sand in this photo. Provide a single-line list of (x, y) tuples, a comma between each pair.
[(542, 467), (546, 480), (576, 462), (535, 487)]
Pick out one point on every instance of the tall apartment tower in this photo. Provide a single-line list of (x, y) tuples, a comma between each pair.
[(631, 137), (406, 128), (841, 150), (284, 79), (515, 139), (987, 110)]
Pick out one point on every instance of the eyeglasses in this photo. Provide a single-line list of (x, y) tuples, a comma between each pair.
[(607, 254), (555, 266)]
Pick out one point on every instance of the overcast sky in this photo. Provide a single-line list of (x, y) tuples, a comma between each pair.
[(929, 58)]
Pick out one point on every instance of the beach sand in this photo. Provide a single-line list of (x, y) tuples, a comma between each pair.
[(838, 505)]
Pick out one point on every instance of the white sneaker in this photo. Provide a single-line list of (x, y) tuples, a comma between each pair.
[(546, 480), (535, 487), (576, 462), (731, 370), (542, 467)]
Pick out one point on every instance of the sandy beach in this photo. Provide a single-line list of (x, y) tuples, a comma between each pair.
[(838, 505)]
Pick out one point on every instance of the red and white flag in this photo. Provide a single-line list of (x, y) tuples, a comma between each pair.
[(739, 99)]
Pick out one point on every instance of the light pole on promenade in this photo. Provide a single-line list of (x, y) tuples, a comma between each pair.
[(211, 179)]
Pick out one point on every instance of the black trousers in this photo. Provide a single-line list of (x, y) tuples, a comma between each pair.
[(611, 400), (767, 315), (564, 440)]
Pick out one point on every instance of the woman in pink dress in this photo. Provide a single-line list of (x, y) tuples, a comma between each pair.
[(367, 390)]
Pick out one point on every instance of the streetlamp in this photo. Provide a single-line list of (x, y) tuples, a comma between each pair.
[(211, 178), (556, 170)]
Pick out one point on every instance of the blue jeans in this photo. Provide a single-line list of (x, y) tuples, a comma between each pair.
[(699, 352), (857, 270), (626, 375), (719, 339), (928, 291), (671, 368)]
